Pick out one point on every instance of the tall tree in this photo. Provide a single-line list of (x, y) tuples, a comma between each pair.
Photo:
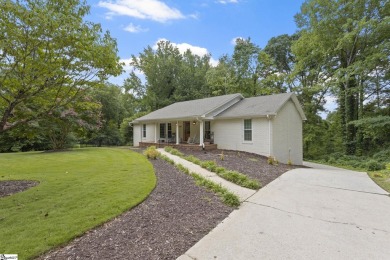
[(245, 61), (349, 40), (48, 55), (161, 68)]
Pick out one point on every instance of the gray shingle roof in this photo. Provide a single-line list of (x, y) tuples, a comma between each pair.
[(188, 109), (260, 106), (248, 107)]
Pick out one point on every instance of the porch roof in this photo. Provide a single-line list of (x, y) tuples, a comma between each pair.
[(189, 109)]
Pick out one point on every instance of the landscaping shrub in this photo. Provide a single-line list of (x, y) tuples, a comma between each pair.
[(176, 152), (231, 199), (192, 159), (232, 176), (382, 156), (227, 197), (373, 165), (272, 160), (151, 152), (240, 179), (168, 149), (166, 158), (219, 170)]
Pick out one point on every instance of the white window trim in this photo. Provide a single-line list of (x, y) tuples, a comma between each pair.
[(243, 131)]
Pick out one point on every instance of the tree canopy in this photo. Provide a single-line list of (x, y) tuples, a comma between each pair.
[(49, 56)]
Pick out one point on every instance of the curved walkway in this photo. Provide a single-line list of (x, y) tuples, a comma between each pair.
[(318, 213)]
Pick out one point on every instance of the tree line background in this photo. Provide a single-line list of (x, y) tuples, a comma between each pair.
[(54, 66)]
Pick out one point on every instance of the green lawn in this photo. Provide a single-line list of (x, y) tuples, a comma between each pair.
[(382, 178), (78, 190)]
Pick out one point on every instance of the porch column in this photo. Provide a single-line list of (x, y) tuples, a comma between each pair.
[(201, 133), (155, 132), (177, 133)]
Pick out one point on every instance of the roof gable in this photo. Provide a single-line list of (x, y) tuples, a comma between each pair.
[(261, 106)]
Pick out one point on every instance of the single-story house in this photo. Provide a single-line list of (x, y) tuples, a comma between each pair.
[(266, 125)]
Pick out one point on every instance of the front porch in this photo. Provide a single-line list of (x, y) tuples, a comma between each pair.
[(196, 147)]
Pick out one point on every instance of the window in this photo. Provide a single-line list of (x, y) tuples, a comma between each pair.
[(247, 129), (169, 130), (162, 130), (207, 133), (144, 130)]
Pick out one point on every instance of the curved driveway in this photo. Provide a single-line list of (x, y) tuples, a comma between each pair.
[(318, 213)]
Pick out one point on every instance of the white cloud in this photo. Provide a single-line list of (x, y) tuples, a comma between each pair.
[(143, 9), (183, 47), (234, 40), (227, 2), (135, 28)]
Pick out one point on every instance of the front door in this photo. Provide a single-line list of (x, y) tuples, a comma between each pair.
[(187, 130)]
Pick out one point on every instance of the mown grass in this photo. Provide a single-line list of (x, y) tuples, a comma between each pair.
[(77, 190)]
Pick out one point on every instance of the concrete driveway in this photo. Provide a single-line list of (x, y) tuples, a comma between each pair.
[(319, 213)]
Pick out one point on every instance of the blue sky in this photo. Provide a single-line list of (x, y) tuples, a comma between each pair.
[(204, 26)]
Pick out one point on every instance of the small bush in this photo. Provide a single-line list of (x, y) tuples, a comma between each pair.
[(382, 156), (373, 165), (219, 170), (192, 159), (151, 152), (240, 179), (183, 169), (176, 152), (227, 197), (168, 149), (272, 160), (209, 165), (166, 158)]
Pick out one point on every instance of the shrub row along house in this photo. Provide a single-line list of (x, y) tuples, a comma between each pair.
[(265, 125)]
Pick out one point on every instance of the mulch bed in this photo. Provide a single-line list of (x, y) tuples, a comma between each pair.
[(173, 218), (14, 186), (253, 165)]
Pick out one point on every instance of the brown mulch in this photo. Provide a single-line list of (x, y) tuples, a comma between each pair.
[(253, 165), (14, 186), (173, 218)]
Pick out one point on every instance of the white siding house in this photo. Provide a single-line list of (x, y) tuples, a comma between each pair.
[(265, 125)]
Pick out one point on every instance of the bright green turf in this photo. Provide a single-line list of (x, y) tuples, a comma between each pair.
[(78, 190)]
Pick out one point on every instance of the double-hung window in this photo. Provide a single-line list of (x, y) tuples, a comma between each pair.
[(144, 130), (162, 130), (247, 130)]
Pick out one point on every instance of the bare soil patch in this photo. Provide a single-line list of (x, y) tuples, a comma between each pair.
[(253, 165), (173, 218), (10, 187)]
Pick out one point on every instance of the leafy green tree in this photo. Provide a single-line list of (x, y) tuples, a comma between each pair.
[(161, 68), (245, 62), (346, 41), (221, 79), (49, 56), (192, 82)]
